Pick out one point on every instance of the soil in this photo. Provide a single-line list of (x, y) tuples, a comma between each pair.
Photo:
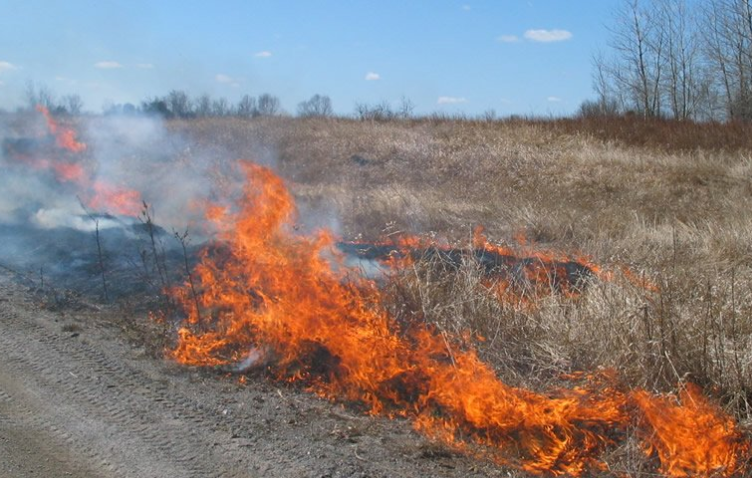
[(81, 395)]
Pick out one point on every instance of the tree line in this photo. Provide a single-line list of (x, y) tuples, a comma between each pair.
[(179, 104), (681, 59)]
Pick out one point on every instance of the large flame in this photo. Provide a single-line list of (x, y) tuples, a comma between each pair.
[(264, 291)]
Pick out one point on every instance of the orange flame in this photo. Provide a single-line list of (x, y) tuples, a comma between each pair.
[(64, 137), (693, 438), (96, 194), (126, 202), (264, 288)]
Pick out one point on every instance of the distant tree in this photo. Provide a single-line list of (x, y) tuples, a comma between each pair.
[(129, 109), (179, 103), (268, 105), (203, 105), (598, 108), (116, 109), (73, 104), (39, 95), (156, 106), (379, 112), (316, 106), (247, 107), (406, 108), (220, 107)]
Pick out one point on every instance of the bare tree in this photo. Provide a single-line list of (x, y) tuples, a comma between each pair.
[(728, 46), (268, 105), (692, 59), (681, 56), (220, 107), (203, 105), (73, 104), (39, 95), (317, 106), (610, 100), (179, 103), (379, 112), (247, 107), (406, 108), (638, 42)]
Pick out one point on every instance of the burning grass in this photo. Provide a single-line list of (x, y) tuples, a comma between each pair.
[(455, 341), (272, 293)]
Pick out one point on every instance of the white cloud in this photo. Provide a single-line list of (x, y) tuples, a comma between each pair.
[(547, 36), (371, 76), (2, 84), (145, 66), (64, 79), (450, 100), (227, 80), (554, 99), (107, 65), (263, 54), (508, 39), (466, 7), (7, 66)]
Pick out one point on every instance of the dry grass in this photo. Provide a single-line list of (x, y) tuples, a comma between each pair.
[(666, 207), (670, 201)]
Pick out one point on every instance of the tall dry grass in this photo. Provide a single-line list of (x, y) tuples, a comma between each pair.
[(668, 202)]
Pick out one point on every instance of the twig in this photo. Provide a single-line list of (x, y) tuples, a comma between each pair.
[(100, 251), (449, 349), (183, 239), (147, 220)]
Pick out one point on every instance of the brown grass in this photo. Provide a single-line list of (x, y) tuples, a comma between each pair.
[(670, 201)]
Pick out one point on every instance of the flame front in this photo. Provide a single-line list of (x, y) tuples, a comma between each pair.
[(263, 287)]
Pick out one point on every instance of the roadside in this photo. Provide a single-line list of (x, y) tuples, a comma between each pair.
[(77, 398)]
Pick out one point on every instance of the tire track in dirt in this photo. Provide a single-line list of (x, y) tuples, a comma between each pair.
[(118, 420)]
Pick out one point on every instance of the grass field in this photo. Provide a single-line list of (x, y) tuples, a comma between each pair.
[(663, 206)]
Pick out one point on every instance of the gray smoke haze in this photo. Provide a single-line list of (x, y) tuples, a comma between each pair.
[(48, 219), (54, 222), (123, 153)]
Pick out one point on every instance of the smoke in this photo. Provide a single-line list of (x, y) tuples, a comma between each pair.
[(171, 175), (107, 196), (74, 197)]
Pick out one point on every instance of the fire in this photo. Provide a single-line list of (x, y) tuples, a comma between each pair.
[(69, 172), (64, 137), (122, 201), (264, 292), (67, 165), (692, 438), (519, 277)]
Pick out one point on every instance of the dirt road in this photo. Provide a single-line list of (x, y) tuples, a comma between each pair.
[(79, 399)]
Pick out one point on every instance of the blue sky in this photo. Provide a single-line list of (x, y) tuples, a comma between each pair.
[(512, 56)]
